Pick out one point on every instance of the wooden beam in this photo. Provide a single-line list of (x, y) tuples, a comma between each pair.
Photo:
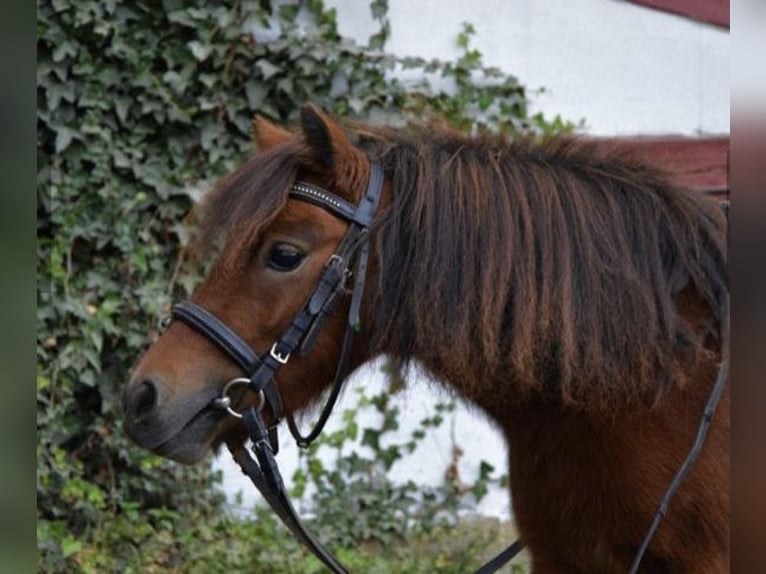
[(700, 163)]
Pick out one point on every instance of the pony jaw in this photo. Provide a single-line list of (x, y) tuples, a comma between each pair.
[(194, 441)]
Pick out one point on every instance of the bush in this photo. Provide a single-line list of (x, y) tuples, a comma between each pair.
[(141, 106)]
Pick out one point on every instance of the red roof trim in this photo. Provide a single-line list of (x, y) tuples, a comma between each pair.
[(710, 11)]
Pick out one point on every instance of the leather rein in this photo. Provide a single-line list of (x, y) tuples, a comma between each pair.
[(347, 264)]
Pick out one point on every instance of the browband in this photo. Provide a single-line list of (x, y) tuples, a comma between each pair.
[(315, 195), (361, 215)]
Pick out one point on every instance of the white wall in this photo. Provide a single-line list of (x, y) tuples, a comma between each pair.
[(624, 68)]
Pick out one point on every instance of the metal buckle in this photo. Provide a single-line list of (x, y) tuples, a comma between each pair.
[(277, 356), (334, 258), (164, 323), (224, 401), (347, 271)]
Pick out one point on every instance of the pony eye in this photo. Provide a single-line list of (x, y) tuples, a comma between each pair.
[(284, 257)]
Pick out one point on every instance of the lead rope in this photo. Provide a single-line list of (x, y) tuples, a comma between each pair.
[(263, 472)]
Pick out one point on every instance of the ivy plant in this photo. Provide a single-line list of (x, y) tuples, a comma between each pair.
[(141, 106)]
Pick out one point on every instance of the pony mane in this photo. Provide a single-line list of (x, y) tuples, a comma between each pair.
[(229, 220), (549, 266)]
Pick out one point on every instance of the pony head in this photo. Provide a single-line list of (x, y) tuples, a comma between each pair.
[(272, 252)]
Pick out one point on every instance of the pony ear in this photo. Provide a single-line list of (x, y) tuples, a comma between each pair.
[(328, 145), (267, 135)]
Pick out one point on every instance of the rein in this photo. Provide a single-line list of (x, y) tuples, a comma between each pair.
[(707, 419), (349, 261)]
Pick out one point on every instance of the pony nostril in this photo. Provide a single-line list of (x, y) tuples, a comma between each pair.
[(142, 400)]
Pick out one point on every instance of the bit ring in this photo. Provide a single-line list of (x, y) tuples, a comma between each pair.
[(224, 401)]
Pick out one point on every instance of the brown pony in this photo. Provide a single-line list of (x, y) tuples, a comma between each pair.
[(570, 291)]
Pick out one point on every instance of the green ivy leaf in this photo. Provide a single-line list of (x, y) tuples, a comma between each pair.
[(70, 546), (64, 137), (267, 69), (200, 51)]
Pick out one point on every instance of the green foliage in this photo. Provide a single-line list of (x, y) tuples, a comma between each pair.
[(355, 504), (141, 106)]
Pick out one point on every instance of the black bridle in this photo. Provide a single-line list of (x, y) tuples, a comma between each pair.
[(348, 263), (349, 259)]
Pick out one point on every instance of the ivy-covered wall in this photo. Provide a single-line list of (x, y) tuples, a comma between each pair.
[(141, 106)]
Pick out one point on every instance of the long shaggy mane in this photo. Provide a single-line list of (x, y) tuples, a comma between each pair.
[(550, 266)]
